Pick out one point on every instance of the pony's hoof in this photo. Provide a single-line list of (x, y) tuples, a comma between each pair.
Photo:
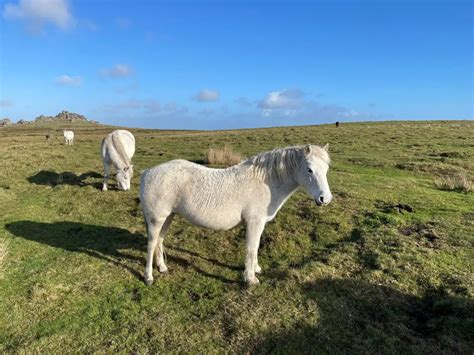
[(258, 269), (104, 188), (148, 282), (252, 281), (163, 269)]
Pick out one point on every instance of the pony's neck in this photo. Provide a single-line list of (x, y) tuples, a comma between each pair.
[(280, 191)]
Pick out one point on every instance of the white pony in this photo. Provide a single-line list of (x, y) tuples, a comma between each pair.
[(118, 148), (68, 137), (251, 192)]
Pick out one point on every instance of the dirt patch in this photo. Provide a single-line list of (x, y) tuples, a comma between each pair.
[(388, 207), (424, 232)]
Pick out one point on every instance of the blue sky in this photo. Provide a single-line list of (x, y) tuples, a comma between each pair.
[(230, 64)]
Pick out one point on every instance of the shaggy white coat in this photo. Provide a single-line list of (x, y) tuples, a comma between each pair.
[(68, 137), (117, 151), (251, 192)]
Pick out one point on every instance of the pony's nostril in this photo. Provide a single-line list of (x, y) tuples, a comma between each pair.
[(321, 199)]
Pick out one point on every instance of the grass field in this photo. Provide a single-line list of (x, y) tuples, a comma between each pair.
[(387, 267)]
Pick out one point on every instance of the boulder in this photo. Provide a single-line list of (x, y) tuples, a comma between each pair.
[(62, 116), (5, 122)]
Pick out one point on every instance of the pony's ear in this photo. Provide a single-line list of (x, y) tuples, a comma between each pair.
[(307, 149), (326, 147)]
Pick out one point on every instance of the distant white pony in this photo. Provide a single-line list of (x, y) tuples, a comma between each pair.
[(251, 192), (118, 148), (68, 137)]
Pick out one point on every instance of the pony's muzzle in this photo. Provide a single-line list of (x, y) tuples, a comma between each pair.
[(321, 200)]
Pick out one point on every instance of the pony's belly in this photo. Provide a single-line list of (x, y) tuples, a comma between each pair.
[(215, 221)]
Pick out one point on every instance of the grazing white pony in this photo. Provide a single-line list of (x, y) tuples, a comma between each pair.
[(251, 192), (68, 137), (118, 148)]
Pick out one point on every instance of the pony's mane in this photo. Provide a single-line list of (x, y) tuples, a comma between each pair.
[(280, 162), (120, 150)]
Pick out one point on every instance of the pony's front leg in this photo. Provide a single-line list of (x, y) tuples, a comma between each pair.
[(253, 234), (106, 176), (154, 228)]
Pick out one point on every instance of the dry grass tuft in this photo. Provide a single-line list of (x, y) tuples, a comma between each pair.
[(3, 255), (223, 156), (458, 182)]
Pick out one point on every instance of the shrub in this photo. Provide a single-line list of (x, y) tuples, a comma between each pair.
[(223, 156), (458, 182), (3, 255)]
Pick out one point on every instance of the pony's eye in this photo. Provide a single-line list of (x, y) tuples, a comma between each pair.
[(310, 171)]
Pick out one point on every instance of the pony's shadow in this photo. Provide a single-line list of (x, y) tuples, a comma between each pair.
[(101, 242), (106, 243), (208, 259), (52, 178), (356, 316)]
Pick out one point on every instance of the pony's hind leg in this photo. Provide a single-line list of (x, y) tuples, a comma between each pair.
[(154, 226), (160, 261)]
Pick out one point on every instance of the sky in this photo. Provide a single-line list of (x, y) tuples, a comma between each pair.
[(237, 64)]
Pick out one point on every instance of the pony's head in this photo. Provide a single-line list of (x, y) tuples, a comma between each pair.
[(312, 173), (124, 176)]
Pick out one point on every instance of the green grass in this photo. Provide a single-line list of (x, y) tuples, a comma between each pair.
[(364, 274)]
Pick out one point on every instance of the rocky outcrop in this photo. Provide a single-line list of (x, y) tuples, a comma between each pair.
[(62, 116), (5, 122), (22, 122)]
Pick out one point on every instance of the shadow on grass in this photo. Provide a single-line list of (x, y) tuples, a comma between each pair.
[(209, 259), (358, 317), (52, 178), (105, 243), (101, 242)]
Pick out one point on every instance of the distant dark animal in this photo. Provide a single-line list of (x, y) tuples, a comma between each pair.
[(337, 124), (47, 137)]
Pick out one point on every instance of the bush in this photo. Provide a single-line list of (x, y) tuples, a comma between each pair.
[(225, 156), (458, 182)]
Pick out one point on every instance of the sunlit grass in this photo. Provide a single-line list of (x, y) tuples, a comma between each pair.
[(386, 267)]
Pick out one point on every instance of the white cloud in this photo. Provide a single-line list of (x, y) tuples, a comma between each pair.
[(287, 98), (207, 95), (66, 80), (145, 106), (292, 104), (38, 13), (117, 71)]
